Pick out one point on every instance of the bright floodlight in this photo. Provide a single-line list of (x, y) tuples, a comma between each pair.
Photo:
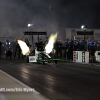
[(29, 25), (82, 27)]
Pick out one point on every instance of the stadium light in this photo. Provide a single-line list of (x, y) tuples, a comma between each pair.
[(29, 25), (83, 27)]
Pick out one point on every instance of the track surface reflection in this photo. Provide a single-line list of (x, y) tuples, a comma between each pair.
[(62, 81)]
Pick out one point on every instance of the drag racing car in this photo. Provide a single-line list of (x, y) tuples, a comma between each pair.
[(39, 54)]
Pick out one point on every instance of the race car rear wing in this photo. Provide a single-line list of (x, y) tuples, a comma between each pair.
[(34, 33)]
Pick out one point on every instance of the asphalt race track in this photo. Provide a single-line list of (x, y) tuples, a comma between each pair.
[(62, 81)]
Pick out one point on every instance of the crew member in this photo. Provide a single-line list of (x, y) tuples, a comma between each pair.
[(82, 45), (17, 49), (26, 39), (40, 45), (71, 47), (92, 48), (9, 53), (58, 48), (28, 44), (7, 43), (46, 42), (76, 46), (66, 48)]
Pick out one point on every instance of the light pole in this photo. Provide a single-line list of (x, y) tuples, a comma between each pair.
[(29, 25), (84, 27)]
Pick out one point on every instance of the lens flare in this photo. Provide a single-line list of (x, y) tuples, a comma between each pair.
[(25, 49), (51, 42)]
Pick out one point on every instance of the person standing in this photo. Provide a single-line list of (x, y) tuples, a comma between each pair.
[(76, 46), (46, 42), (15, 51), (9, 53), (92, 48), (58, 46), (18, 49), (26, 39), (66, 48), (71, 47), (82, 45)]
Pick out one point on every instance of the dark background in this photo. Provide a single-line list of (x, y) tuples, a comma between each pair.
[(64, 13)]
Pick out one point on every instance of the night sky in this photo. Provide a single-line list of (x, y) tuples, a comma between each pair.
[(64, 13)]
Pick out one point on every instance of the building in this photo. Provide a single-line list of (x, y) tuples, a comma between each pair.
[(71, 33)]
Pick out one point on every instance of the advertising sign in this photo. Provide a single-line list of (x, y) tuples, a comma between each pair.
[(32, 59), (83, 56), (74, 56)]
